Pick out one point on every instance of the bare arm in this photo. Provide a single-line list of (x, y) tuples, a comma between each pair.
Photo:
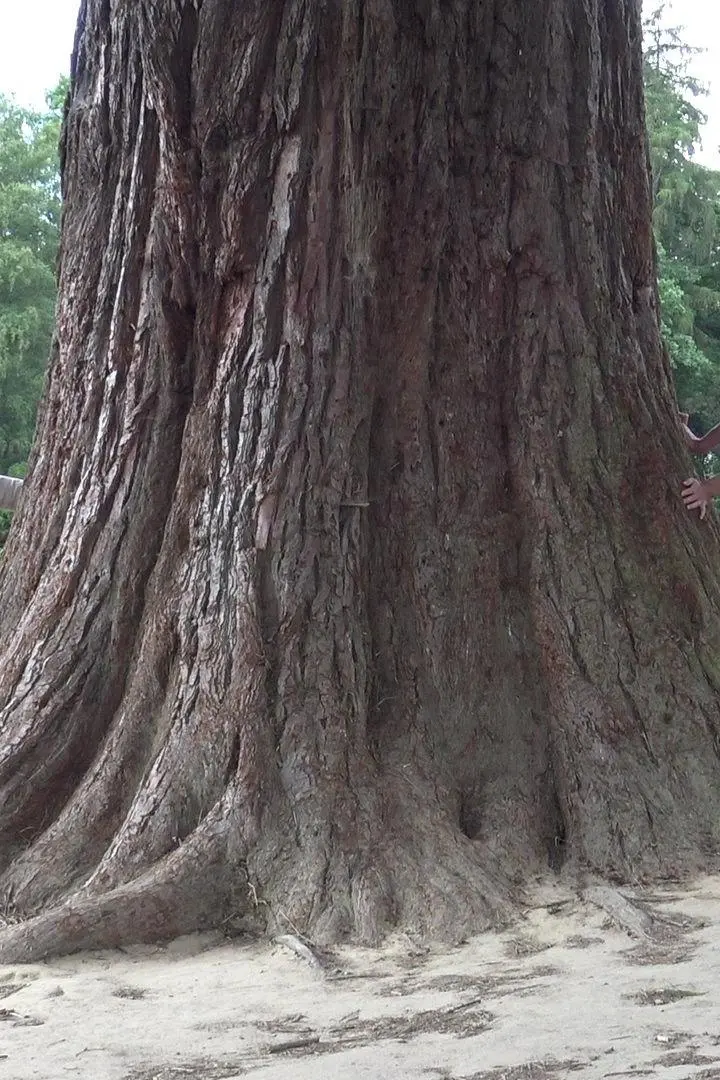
[(700, 444), (709, 441), (711, 486)]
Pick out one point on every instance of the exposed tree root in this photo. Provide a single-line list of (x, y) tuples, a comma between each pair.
[(422, 875), (623, 912), (182, 894)]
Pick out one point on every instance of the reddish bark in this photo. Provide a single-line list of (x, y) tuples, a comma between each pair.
[(351, 584)]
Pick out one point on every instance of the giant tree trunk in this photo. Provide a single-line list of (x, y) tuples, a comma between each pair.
[(351, 581)]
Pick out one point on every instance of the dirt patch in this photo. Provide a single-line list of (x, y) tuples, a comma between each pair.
[(663, 995), (684, 1057), (293, 1022), (18, 1020), (660, 955), (630, 1072), (462, 1021), (454, 984), (580, 941), (671, 942), (517, 980), (195, 1070), (674, 1038), (550, 1069), (133, 993), (526, 946)]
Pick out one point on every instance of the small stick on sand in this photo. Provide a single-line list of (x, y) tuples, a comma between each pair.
[(294, 1044)]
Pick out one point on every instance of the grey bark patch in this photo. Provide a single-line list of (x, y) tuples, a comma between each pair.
[(6, 989)]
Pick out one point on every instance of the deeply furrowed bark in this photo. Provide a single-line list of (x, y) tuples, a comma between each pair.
[(350, 577)]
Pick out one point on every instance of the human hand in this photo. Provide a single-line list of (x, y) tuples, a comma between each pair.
[(695, 496)]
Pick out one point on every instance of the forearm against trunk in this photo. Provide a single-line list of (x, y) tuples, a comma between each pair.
[(709, 441)]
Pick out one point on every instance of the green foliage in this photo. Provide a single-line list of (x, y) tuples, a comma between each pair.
[(686, 220), (694, 371), (29, 232)]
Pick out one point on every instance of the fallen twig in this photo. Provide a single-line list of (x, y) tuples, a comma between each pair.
[(463, 1005), (294, 1044)]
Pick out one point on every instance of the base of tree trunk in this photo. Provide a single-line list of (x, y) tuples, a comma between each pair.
[(425, 876)]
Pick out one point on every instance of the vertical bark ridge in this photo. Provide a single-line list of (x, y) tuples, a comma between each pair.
[(121, 468)]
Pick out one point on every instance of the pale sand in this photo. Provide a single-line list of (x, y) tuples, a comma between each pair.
[(562, 994)]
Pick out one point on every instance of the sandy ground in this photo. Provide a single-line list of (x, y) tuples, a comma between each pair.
[(567, 992)]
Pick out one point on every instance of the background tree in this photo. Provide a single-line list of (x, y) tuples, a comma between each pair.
[(29, 233), (29, 230), (351, 582), (686, 219)]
